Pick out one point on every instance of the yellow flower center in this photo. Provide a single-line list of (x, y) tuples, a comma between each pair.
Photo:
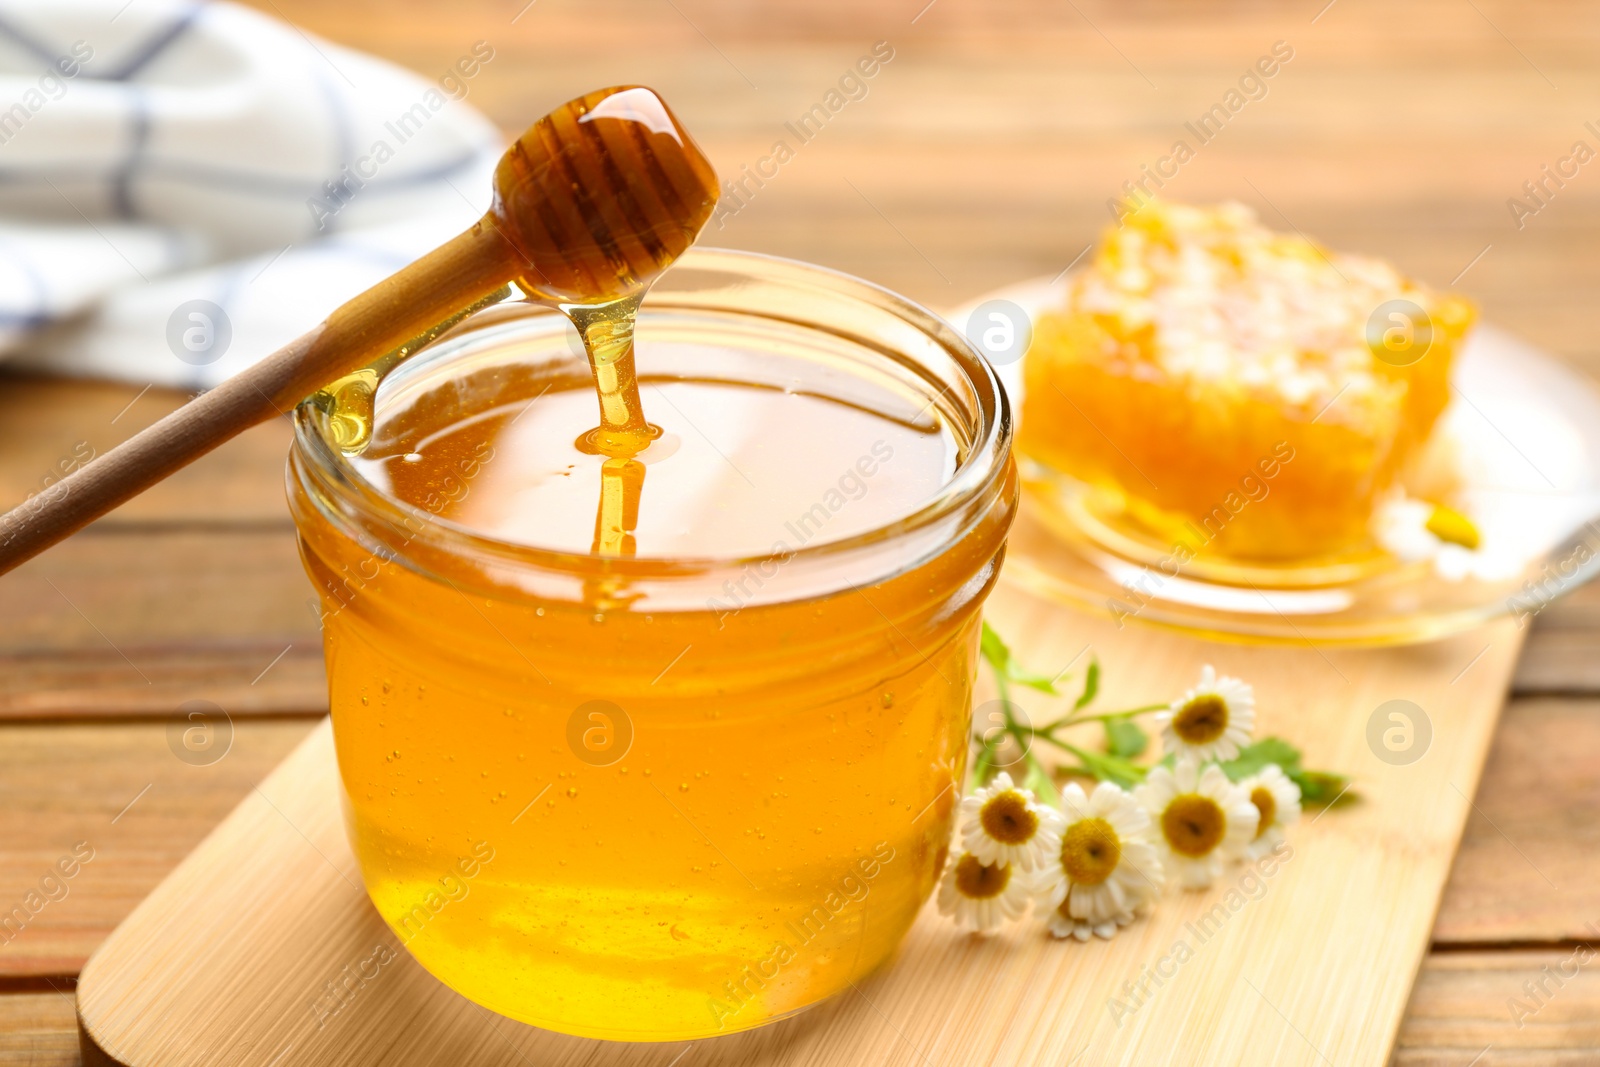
[(978, 882), (1006, 818), (1193, 825), (1451, 526), (1202, 720), (1267, 805), (1090, 850)]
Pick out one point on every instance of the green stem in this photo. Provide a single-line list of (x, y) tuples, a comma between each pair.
[(1092, 765), (980, 766), (1073, 720), (1097, 765), (1037, 778), (985, 761), (1069, 747)]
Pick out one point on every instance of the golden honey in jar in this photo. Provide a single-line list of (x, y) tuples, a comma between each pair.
[(662, 745)]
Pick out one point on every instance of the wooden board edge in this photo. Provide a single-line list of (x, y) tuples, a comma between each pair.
[(92, 1054)]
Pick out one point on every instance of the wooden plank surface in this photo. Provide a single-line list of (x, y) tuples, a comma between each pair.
[(1526, 869), (1458, 1017), (1561, 656), (122, 791), (38, 1030), (1471, 1009), (982, 155), (207, 614), (47, 425)]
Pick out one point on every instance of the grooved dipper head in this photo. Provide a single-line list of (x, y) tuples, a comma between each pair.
[(601, 195)]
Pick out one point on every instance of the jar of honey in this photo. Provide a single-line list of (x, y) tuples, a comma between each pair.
[(667, 745)]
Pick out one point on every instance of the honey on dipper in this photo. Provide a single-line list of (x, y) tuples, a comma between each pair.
[(653, 729)]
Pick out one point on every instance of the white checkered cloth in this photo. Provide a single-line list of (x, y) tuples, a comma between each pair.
[(156, 153)]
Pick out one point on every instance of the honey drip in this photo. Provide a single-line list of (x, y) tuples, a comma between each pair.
[(621, 485), (607, 332)]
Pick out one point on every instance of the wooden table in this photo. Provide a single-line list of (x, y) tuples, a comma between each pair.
[(983, 153)]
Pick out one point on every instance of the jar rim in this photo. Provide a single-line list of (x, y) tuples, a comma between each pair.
[(314, 456)]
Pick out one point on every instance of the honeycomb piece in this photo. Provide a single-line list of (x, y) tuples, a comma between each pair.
[(1248, 393)]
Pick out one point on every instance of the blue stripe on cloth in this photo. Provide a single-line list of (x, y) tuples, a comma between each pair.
[(139, 136), (28, 42), (26, 321), (153, 46), (39, 315)]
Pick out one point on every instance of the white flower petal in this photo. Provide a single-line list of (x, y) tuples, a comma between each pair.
[(1030, 855), (1239, 700), (984, 914)]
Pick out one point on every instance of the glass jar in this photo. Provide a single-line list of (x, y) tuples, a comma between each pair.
[(661, 798)]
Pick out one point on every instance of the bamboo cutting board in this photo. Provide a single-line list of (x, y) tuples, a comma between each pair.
[(225, 963)]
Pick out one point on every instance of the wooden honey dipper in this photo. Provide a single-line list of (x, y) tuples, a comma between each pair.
[(590, 204)]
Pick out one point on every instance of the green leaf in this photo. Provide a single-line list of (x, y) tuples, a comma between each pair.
[(1252, 759), (1038, 780), (1125, 738), (1111, 768), (983, 765), (998, 655), (994, 650), (1316, 787), (1037, 681), (1091, 686), (1321, 787)]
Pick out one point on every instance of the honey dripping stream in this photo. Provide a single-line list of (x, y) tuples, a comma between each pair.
[(607, 333)]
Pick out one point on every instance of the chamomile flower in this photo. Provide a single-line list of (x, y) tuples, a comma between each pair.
[(1063, 925), (1202, 820), (1212, 721), (1106, 869), (982, 895), (1415, 531), (1003, 824), (1277, 800)]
